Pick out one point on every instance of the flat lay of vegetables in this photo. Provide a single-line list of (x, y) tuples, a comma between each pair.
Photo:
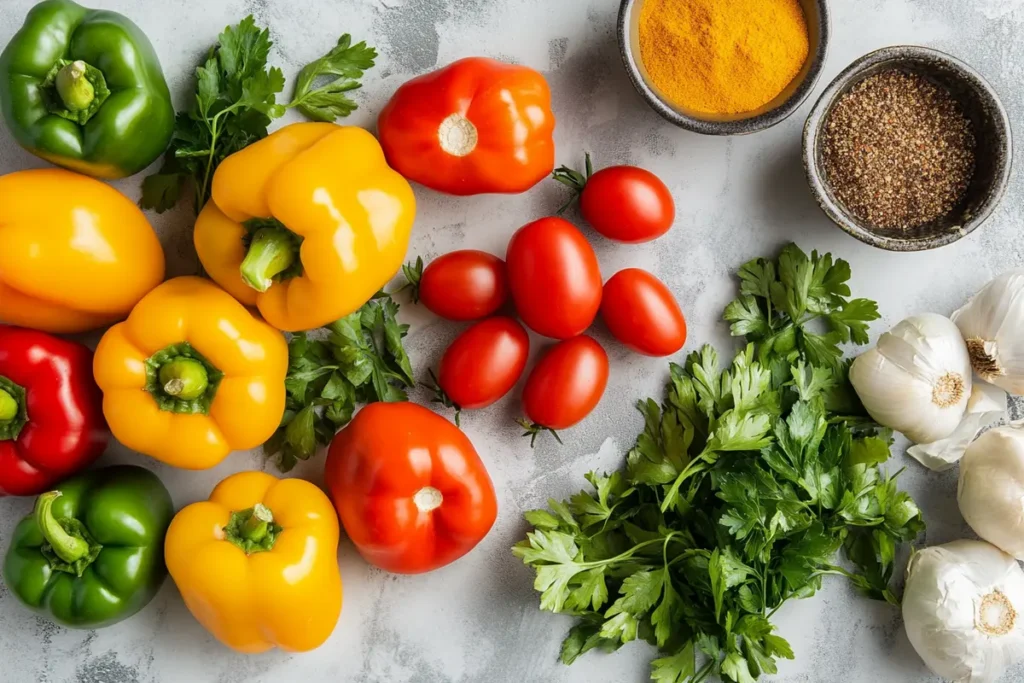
[(338, 380)]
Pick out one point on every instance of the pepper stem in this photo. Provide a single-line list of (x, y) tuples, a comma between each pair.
[(256, 527), (271, 252), (184, 378), (68, 547), (8, 407), (74, 88), (253, 530)]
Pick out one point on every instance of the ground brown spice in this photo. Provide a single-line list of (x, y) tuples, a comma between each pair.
[(898, 150)]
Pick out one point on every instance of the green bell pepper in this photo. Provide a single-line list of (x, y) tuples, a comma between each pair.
[(83, 89), (92, 551)]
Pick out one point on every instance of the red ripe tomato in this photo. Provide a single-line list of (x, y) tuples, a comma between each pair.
[(565, 385), (554, 278), (623, 203), (642, 313), (483, 363), (464, 285)]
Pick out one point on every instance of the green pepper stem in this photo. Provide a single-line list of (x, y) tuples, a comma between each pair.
[(255, 528), (272, 251), (66, 546), (74, 88), (184, 378), (8, 407)]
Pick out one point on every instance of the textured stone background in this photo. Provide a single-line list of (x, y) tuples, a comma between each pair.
[(737, 198)]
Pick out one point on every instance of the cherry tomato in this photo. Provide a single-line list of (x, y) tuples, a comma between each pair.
[(464, 285), (642, 313), (554, 278), (483, 363), (565, 385), (623, 203)]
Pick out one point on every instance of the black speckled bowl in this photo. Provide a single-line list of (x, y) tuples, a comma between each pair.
[(777, 110), (991, 129)]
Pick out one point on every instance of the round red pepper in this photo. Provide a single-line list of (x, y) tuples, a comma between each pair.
[(51, 417), (478, 125), (410, 489)]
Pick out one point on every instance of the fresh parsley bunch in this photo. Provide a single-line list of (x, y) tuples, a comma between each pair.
[(236, 100), (742, 488), (362, 360)]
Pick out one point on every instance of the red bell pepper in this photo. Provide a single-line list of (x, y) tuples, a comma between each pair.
[(475, 126), (51, 411), (411, 491)]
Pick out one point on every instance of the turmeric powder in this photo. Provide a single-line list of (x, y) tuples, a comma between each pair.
[(722, 56)]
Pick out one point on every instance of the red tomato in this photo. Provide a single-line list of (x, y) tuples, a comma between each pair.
[(623, 203), (483, 363), (554, 278), (410, 489), (642, 313), (464, 285), (566, 384)]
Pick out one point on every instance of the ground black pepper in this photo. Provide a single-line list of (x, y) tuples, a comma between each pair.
[(898, 150)]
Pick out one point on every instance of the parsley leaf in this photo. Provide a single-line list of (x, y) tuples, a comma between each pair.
[(362, 360), (235, 102)]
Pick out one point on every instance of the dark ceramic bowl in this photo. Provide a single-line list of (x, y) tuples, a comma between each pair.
[(993, 155), (777, 110)]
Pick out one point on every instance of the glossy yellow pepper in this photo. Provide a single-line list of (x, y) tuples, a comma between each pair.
[(191, 375), (307, 224), (75, 254), (257, 564)]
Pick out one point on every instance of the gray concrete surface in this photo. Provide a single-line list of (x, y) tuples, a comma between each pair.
[(477, 621)]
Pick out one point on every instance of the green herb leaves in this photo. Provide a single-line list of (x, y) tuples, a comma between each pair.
[(743, 486), (346, 64), (236, 100), (362, 360), (780, 300)]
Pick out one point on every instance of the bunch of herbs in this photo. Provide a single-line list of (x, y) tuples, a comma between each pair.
[(740, 491)]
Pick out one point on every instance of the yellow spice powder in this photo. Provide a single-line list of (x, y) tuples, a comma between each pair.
[(722, 56)]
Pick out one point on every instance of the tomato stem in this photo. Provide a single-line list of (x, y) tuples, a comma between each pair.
[(574, 180), (533, 429)]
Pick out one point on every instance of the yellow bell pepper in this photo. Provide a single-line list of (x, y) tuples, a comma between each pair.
[(191, 375), (75, 254), (257, 564), (306, 224)]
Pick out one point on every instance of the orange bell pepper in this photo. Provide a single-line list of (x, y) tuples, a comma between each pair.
[(75, 254), (191, 375), (306, 224), (475, 126), (257, 564)]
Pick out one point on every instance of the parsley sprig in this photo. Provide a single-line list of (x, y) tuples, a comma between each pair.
[(361, 360), (741, 489), (236, 100)]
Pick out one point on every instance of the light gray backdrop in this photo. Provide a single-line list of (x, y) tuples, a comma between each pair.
[(737, 198)]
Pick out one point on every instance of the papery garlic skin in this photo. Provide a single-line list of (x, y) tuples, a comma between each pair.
[(917, 379), (992, 322), (991, 488), (964, 610)]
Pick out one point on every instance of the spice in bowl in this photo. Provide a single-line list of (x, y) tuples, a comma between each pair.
[(898, 151), (722, 57)]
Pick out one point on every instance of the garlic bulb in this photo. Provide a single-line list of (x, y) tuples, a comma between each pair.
[(917, 379), (964, 610), (991, 489), (992, 322)]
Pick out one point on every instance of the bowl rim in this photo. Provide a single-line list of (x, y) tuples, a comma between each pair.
[(895, 55), (753, 124)]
